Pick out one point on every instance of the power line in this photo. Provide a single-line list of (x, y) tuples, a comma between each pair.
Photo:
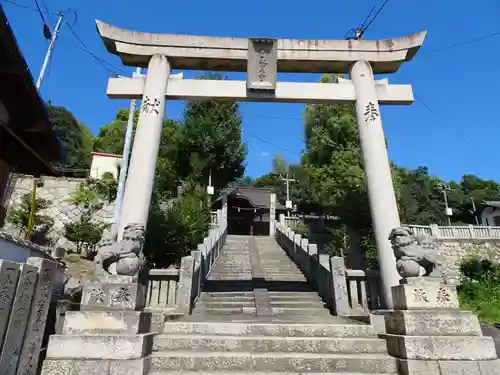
[(464, 42), (364, 28), (106, 65), (21, 5), (430, 110), (40, 12), (366, 19), (48, 13), (271, 144)]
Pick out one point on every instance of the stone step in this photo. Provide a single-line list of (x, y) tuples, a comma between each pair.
[(296, 303), (228, 294), (264, 344), (255, 373), (274, 362), (269, 329), (227, 298), (225, 304), (306, 297), (292, 294), (231, 310)]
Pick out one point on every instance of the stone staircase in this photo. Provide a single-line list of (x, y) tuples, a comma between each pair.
[(257, 314)]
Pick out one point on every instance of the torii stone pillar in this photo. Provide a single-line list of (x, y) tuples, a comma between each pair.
[(141, 173), (383, 206)]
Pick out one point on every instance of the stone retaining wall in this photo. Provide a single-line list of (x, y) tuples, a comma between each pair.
[(58, 191), (453, 251)]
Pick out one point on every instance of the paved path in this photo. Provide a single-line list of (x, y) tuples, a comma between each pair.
[(254, 280)]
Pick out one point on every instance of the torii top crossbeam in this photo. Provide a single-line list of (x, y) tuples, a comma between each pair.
[(231, 54)]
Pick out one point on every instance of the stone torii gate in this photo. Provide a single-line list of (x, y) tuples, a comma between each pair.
[(262, 59)]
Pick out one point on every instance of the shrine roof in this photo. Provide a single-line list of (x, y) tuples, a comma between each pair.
[(230, 54), (258, 197)]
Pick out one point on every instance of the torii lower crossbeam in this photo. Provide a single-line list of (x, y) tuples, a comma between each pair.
[(291, 92)]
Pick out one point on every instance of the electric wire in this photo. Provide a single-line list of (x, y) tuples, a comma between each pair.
[(462, 43), (48, 13), (40, 12), (366, 19), (106, 65), (363, 30), (21, 5)]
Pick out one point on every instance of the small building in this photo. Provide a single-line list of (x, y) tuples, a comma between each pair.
[(248, 210), (490, 214), (28, 143), (105, 163)]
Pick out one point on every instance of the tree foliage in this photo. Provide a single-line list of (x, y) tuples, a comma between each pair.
[(176, 228), (19, 215), (110, 138), (75, 137), (210, 141)]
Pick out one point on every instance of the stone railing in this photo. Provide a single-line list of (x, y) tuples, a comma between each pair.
[(27, 311), (215, 217), (463, 232), (174, 291), (291, 221), (346, 292), (162, 289), (364, 290)]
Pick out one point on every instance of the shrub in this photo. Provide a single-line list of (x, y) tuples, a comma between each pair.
[(480, 288), (337, 246), (176, 228), (19, 215), (300, 227), (85, 233)]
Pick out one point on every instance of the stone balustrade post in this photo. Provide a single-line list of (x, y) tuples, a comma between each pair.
[(338, 272), (272, 214), (435, 232), (383, 206), (472, 233), (141, 173)]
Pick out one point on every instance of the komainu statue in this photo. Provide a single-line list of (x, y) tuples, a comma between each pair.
[(413, 259), (121, 257)]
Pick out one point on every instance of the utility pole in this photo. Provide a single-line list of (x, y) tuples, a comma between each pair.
[(48, 55), (125, 159), (288, 180), (52, 43), (443, 187), (474, 209)]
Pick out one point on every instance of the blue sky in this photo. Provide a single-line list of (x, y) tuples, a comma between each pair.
[(459, 85)]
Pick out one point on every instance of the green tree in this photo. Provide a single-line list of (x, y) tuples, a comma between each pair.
[(111, 137), (177, 227), (280, 165), (85, 232), (210, 141), (73, 135), (245, 181), (334, 161), (19, 215)]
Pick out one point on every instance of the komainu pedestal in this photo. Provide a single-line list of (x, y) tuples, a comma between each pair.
[(429, 334), (110, 335)]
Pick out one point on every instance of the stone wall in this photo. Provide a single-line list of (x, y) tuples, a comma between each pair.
[(453, 251), (58, 191)]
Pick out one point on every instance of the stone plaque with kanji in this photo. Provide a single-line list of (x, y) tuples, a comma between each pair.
[(262, 64)]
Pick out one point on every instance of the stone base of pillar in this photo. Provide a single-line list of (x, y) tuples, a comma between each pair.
[(430, 335), (109, 336)]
